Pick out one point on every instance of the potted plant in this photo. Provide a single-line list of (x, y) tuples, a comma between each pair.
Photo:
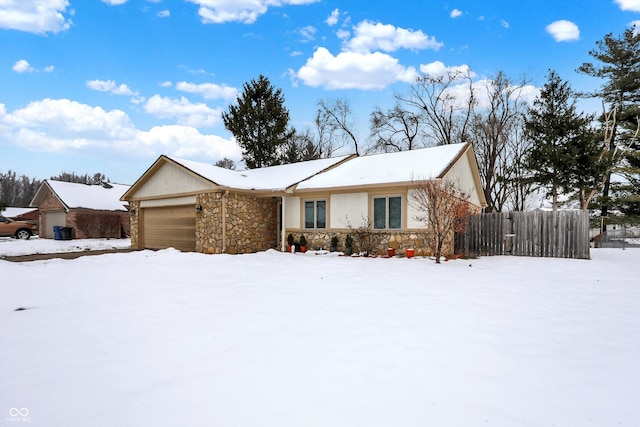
[(303, 244), (348, 245), (289, 242), (334, 244)]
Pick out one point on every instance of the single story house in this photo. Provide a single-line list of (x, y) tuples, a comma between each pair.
[(92, 211), (199, 207)]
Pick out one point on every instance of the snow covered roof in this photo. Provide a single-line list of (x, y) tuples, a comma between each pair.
[(388, 168), (74, 195), (273, 178), (14, 212)]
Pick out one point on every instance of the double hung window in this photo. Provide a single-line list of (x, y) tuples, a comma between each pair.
[(315, 214), (387, 212)]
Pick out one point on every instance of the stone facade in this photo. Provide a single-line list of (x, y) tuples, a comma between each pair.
[(134, 218), (251, 223), (398, 240)]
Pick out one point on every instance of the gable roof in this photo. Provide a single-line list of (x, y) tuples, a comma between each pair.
[(389, 168), (11, 212), (73, 195), (268, 179)]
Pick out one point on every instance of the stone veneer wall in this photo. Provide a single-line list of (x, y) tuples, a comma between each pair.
[(398, 240), (134, 223), (251, 223)]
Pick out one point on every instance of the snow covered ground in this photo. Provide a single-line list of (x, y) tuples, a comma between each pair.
[(269, 339)]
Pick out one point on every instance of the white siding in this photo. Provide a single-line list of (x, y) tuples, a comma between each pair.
[(292, 212), (171, 201), (348, 208), (461, 174), (412, 212), (170, 179)]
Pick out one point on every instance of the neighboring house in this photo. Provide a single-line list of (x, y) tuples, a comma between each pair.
[(198, 207), (92, 210)]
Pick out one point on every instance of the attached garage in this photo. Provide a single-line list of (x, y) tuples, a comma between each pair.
[(169, 227), (51, 219)]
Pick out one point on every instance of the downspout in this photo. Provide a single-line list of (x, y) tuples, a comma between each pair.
[(224, 221), (283, 232)]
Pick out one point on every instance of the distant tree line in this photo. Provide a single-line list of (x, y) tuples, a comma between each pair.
[(522, 148), (18, 191)]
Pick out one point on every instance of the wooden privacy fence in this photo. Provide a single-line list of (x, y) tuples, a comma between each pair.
[(560, 234)]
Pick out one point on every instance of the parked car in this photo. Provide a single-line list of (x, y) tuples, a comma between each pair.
[(18, 229)]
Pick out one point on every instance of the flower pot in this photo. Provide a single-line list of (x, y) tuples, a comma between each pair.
[(348, 251), (410, 253), (391, 252), (303, 249)]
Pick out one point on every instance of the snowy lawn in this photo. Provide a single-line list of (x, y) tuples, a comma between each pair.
[(35, 245), (176, 339)]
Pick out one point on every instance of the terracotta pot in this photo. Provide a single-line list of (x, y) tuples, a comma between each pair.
[(391, 252), (303, 249), (410, 253)]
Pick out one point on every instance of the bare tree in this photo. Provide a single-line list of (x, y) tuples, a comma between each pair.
[(337, 120), (443, 207), (226, 163), (397, 129), (497, 140), (446, 114)]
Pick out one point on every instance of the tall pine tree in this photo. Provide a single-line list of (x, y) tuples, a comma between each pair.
[(618, 63), (260, 123), (559, 136)]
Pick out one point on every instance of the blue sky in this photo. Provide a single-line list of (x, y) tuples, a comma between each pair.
[(109, 85)]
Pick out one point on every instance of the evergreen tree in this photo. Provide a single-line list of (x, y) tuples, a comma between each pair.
[(260, 123), (619, 65), (558, 134)]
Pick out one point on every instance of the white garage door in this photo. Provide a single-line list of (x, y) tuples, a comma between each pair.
[(169, 227), (50, 219)]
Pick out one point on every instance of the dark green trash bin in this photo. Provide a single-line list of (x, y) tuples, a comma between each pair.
[(66, 233)]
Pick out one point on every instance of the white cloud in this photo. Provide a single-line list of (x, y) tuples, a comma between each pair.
[(353, 70), (114, 2), (49, 69), (333, 18), (62, 125), (34, 16), (209, 90), (438, 69), (455, 13), (110, 86), (245, 11), (308, 33), (22, 66), (185, 112), (164, 13), (166, 84), (504, 23), (343, 34), (563, 31), (630, 5), (370, 37)]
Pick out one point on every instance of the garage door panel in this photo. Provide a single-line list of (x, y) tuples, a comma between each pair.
[(165, 227)]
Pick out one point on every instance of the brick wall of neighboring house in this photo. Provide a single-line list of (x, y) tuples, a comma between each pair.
[(119, 220), (50, 203), (91, 224), (251, 223)]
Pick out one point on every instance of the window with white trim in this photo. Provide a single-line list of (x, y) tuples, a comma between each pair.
[(315, 214), (387, 212)]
